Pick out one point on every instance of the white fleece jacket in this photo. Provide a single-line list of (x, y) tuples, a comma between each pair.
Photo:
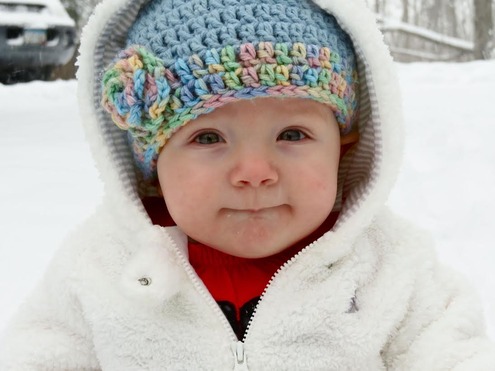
[(368, 295)]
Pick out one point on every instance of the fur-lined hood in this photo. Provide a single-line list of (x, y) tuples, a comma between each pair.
[(371, 170)]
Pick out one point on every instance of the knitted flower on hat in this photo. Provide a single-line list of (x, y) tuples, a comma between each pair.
[(187, 57)]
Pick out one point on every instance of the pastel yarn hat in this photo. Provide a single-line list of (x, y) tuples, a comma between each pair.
[(185, 58)]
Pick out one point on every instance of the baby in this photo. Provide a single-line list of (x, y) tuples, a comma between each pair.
[(247, 148), (254, 176)]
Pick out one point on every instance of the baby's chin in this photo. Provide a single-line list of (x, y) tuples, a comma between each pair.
[(249, 253), (254, 233), (258, 253), (253, 245)]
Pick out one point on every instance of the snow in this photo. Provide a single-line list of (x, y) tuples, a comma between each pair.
[(446, 184)]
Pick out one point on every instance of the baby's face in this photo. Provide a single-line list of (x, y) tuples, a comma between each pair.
[(254, 176)]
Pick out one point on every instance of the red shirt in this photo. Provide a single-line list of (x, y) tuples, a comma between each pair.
[(238, 280), (230, 278)]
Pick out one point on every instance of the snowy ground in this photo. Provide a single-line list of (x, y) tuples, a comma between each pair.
[(447, 184)]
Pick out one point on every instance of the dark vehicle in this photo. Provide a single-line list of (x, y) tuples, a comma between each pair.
[(35, 37)]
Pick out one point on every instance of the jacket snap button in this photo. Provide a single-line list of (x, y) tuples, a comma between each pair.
[(145, 281)]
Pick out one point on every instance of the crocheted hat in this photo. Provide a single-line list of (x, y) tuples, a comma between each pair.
[(185, 58)]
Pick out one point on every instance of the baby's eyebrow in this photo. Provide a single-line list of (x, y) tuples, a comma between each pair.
[(307, 117)]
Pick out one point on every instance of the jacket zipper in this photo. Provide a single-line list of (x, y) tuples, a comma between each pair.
[(284, 267), (237, 347), (240, 356)]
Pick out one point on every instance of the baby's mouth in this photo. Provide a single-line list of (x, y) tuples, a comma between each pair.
[(254, 209), (257, 212)]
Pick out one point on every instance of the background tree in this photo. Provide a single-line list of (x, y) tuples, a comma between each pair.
[(451, 30), (483, 30), (80, 11)]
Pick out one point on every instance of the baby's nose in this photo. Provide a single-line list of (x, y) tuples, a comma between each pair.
[(253, 169)]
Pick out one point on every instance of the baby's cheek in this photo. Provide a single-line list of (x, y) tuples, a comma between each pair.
[(323, 180), (189, 199), (320, 191)]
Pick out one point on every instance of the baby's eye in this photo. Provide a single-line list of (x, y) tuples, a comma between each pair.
[(208, 138), (292, 135)]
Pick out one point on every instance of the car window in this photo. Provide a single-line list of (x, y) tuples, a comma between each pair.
[(23, 8)]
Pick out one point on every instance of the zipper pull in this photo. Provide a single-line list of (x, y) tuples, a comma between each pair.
[(239, 356)]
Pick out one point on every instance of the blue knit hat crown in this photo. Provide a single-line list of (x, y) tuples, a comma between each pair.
[(187, 57)]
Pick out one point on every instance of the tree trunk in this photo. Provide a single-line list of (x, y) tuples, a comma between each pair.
[(377, 6), (452, 17), (405, 11), (483, 28)]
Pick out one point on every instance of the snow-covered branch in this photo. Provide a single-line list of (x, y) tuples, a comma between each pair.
[(388, 25)]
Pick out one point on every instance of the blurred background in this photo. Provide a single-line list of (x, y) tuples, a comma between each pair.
[(39, 38)]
